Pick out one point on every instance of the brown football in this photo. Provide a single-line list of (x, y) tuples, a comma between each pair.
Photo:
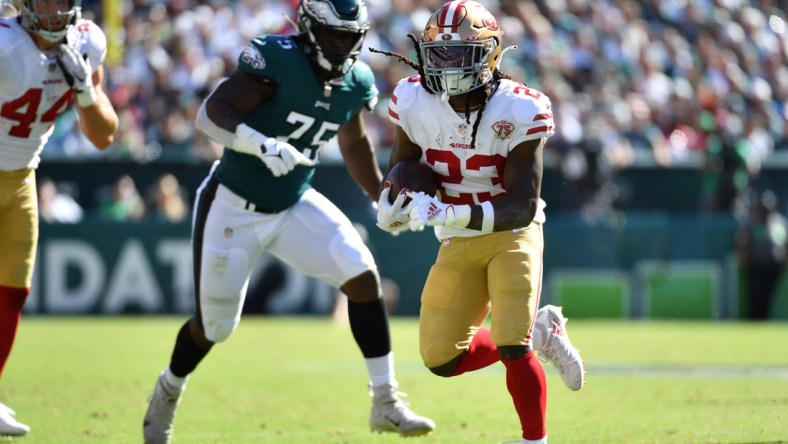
[(412, 175)]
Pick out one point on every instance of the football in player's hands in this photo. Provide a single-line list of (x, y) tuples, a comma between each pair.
[(411, 175)]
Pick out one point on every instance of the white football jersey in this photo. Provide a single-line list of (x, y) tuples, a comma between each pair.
[(515, 113), (33, 90)]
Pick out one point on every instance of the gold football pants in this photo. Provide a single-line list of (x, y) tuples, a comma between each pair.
[(18, 227), (498, 274)]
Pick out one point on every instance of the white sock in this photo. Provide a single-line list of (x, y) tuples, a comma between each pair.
[(174, 383), (536, 441), (381, 370)]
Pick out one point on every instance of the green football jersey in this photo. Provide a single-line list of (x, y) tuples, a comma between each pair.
[(298, 113)]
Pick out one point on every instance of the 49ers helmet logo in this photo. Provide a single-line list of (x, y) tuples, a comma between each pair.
[(503, 129), (490, 22)]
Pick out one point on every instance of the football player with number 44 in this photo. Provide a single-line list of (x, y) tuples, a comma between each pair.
[(484, 139), (49, 58)]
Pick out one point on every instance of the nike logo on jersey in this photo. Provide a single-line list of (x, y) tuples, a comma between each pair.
[(319, 104)]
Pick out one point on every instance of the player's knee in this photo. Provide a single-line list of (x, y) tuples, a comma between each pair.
[(221, 287), (512, 352), (363, 288), (442, 371), (219, 331), (220, 316), (439, 360), (448, 369)]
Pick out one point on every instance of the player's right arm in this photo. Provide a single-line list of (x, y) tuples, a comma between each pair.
[(97, 117), (403, 149), (98, 120), (220, 118), (235, 96), (402, 98), (394, 217)]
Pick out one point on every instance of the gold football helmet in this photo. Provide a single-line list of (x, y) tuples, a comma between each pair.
[(460, 48)]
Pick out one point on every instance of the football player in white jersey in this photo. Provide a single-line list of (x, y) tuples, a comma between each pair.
[(483, 135), (49, 59)]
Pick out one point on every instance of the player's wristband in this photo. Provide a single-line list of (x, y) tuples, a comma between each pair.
[(458, 215), (488, 217), (87, 97), (249, 141)]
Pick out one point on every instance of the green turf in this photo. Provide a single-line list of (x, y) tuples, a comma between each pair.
[(301, 380)]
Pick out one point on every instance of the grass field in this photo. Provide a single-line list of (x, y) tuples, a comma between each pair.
[(301, 380)]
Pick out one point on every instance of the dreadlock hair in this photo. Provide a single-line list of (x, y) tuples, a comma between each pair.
[(419, 67)]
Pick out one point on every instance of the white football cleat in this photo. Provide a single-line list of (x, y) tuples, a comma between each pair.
[(157, 426), (558, 350), (9, 426), (391, 414), (5, 409)]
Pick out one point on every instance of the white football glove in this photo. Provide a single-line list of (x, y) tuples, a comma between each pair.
[(427, 210), (78, 73), (392, 217), (279, 157)]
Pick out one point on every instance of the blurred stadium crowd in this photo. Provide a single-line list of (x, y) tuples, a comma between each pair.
[(654, 82)]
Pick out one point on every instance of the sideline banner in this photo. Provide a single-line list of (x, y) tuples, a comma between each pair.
[(127, 268), (648, 266)]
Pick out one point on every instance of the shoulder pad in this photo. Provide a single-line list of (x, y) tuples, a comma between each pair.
[(527, 104), (90, 40), (406, 91), (364, 82), (266, 54), (363, 74), (10, 35)]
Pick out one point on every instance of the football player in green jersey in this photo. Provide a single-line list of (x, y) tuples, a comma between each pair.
[(288, 97)]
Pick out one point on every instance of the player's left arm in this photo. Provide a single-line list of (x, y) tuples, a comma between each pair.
[(359, 155), (99, 120), (522, 179)]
